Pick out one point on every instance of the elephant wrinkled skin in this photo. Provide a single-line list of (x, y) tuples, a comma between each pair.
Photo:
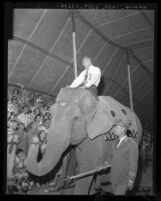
[(80, 120)]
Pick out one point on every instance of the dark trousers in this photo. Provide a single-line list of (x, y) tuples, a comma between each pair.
[(94, 91)]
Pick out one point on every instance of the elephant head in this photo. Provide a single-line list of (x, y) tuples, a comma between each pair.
[(72, 117)]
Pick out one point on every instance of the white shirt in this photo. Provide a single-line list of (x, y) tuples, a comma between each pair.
[(23, 119), (94, 75), (124, 137)]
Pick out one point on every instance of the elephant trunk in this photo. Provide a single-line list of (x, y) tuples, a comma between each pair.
[(58, 140)]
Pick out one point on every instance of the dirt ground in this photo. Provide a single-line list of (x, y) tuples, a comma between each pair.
[(145, 186)]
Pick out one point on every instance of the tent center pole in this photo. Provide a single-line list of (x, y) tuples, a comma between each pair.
[(74, 44), (129, 81)]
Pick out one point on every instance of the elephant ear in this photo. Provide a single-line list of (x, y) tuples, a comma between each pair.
[(100, 124), (78, 130)]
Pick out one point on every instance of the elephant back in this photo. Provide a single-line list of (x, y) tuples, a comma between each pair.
[(71, 94), (118, 111)]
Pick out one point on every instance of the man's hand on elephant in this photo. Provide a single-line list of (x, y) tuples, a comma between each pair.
[(83, 87), (35, 140), (130, 185)]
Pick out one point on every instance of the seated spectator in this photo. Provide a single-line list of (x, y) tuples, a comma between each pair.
[(36, 111), (15, 92), (46, 123), (19, 162), (45, 117), (9, 94), (40, 104), (21, 129), (12, 145), (42, 138), (30, 116), (10, 107), (42, 144), (13, 105), (49, 105), (38, 120), (23, 138), (41, 127), (13, 133), (32, 131), (11, 116), (31, 104), (31, 96), (46, 108), (39, 99), (14, 125), (23, 117)]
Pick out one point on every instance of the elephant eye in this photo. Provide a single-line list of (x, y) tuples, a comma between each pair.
[(129, 123), (112, 113), (123, 111)]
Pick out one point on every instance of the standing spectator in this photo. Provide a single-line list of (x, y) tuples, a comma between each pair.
[(124, 161)]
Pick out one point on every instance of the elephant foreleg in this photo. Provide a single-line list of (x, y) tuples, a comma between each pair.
[(89, 158), (83, 184)]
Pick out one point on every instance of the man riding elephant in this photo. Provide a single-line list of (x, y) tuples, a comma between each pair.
[(89, 78)]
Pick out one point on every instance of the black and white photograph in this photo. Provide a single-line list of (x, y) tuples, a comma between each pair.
[(80, 99)]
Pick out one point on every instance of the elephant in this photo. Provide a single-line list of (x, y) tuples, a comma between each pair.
[(78, 119)]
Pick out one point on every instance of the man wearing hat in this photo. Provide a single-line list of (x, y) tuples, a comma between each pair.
[(124, 161)]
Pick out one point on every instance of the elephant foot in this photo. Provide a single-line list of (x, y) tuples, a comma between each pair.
[(101, 192)]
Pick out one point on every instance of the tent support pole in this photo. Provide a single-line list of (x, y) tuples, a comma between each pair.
[(74, 44), (129, 81)]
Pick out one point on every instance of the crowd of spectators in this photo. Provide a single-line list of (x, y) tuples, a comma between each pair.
[(28, 115), (146, 150)]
